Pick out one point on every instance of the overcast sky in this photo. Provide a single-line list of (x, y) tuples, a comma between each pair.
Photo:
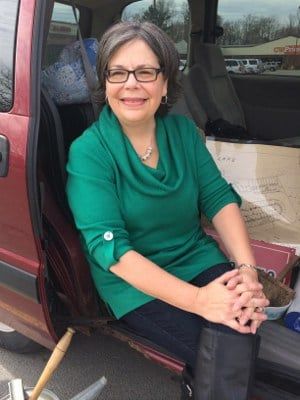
[(228, 9), (234, 9)]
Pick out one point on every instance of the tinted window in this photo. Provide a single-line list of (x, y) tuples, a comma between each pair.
[(264, 31), (63, 31), (8, 22), (173, 17)]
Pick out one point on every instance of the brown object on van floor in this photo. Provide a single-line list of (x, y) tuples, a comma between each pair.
[(277, 292)]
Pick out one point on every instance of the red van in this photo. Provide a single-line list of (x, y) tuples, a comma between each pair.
[(45, 283)]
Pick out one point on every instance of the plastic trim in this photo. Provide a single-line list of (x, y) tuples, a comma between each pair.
[(19, 281)]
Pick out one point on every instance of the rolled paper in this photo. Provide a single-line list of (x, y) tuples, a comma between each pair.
[(292, 317)]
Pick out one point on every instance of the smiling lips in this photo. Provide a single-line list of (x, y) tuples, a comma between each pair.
[(133, 101)]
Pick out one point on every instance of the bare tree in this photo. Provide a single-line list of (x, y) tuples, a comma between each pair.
[(180, 26), (249, 30), (175, 22), (160, 13), (293, 26)]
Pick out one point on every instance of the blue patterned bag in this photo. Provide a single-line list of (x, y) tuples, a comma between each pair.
[(65, 80)]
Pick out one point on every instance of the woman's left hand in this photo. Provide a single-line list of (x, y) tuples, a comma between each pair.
[(251, 301), (250, 291)]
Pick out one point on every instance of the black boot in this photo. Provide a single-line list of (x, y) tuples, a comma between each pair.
[(225, 366), (187, 384)]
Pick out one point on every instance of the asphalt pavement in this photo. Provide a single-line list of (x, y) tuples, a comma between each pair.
[(129, 374)]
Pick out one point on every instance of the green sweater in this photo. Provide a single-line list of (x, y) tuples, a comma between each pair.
[(120, 204)]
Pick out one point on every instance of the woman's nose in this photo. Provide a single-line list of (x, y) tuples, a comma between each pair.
[(131, 81)]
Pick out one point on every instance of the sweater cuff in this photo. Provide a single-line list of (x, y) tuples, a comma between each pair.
[(111, 249), (231, 196)]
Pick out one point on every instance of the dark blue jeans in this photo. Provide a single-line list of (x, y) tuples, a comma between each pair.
[(176, 330)]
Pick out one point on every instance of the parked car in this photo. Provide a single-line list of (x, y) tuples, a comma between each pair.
[(234, 66), (271, 65), (45, 281), (253, 66)]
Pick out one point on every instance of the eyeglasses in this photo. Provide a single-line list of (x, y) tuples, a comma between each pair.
[(140, 74)]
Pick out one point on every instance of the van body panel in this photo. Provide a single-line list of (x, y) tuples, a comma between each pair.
[(23, 304)]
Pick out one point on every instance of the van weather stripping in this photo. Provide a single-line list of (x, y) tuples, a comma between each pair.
[(19, 281)]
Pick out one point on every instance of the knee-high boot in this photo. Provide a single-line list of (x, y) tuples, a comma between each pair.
[(225, 366)]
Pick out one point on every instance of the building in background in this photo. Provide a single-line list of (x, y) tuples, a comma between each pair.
[(285, 50)]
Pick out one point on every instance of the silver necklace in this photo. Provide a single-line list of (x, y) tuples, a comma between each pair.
[(147, 154)]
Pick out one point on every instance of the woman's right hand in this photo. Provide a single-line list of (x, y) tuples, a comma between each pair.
[(215, 302)]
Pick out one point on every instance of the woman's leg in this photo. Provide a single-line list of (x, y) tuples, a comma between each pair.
[(175, 330), (179, 333)]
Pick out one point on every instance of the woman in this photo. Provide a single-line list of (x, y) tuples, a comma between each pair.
[(139, 180)]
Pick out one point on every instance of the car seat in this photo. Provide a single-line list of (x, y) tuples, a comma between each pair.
[(213, 86), (189, 105)]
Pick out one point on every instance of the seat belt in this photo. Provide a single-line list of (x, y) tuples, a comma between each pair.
[(89, 72)]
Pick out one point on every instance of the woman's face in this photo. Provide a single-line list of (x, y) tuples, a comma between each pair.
[(135, 103)]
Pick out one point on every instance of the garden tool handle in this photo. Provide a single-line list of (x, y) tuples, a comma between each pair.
[(53, 362)]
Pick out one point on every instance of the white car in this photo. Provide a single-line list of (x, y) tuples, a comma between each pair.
[(253, 65), (235, 66)]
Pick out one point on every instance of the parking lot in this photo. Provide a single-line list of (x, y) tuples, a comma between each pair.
[(129, 374)]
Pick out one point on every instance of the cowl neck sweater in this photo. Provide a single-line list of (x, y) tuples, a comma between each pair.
[(167, 177), (120, 204)]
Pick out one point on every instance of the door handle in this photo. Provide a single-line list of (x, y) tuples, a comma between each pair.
[(4, 155)]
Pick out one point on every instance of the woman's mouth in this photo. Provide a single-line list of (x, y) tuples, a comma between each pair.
[(133, 101)]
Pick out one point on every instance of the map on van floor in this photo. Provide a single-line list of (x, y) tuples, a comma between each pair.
[(267, 178)]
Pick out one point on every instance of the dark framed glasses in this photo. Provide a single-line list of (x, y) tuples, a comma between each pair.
[(117, 75)]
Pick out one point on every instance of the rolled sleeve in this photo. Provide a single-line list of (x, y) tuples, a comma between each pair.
[(214, 191), (110, 249), (93, 200), (219, 199)]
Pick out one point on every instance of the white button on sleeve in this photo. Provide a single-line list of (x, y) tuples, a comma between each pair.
[(108, 236)]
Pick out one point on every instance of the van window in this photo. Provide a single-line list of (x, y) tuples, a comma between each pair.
[(63, 31), (8, 27), (267, 33), (172, 17)]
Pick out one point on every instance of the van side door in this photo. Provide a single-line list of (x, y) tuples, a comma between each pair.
[(22, 293)]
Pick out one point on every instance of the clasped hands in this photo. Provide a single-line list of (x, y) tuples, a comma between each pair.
[(235, 299)]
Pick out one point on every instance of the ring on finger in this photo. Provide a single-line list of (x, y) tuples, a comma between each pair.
[(260, 309)]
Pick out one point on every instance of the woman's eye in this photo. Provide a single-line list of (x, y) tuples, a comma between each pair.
[(145, 72), (117, 73)]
